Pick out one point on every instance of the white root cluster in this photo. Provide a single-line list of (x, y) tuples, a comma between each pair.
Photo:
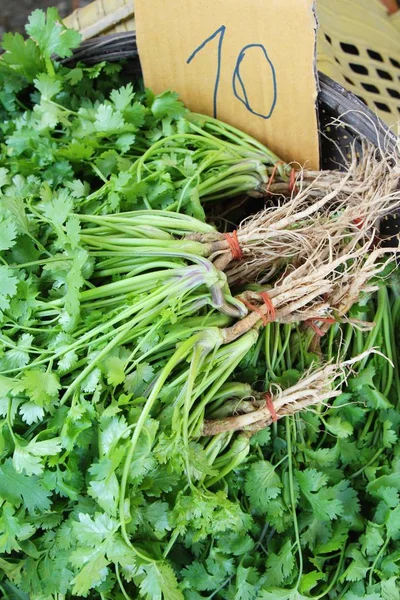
[(319, 251), (316, 387), (327, 209), (338, 254)]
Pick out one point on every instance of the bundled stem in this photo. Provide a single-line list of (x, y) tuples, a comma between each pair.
[(316, 214), (316, 387), (325, 285)]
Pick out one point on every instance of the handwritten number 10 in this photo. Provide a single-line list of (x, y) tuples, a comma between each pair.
[(221, 33), (238, 85)]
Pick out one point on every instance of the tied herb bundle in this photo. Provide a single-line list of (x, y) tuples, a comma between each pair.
[(142, 448)]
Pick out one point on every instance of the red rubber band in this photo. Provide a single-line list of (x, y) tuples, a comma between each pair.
[(271, 179), (311, 323), (234, 246), (292, 181), (270, 405), (358, 222), (255, 309), (266, 298), (315, 328)]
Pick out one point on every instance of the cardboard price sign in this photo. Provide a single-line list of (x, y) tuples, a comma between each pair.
[(250, 63)]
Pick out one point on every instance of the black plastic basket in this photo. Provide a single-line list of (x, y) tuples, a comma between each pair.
[(357, 121)]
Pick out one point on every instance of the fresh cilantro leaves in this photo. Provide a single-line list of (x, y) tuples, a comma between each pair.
[(108, 489), (50, 35)]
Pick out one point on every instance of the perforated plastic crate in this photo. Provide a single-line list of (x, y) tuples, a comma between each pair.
[(359, 47)]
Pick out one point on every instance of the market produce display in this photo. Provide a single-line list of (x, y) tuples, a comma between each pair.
[(199, 398)]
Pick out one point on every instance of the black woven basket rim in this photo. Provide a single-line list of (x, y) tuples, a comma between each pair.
[(337, 107), (354, 114)]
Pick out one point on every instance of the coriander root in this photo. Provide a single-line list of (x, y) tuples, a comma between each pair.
[(316, 387), (329, 281)]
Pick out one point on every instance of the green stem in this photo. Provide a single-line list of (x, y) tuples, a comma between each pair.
[(267, 350), (9, 424), (347, 341), (195, 366), (178, 137), (121, 585), (368, 464), (232, 186), (276, 330), (98, 173), (150, 304), (284, 356), (177, 357), (373, 334), (301, 348), (232, 459), (390, 349), (237, 136), (377, 558), (293, 496), (333, 331), (170, 544), (344, 591), (325, 593), (196, 175), (219, 372), (394, 329), (367, 426), (50, 67), (154, 247)]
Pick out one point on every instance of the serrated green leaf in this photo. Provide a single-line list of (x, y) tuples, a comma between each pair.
[(262, 484), (114, 367), (364, 377), (245, 588), (47, 86), (51, 36), (8, 233), (167, 105), (108, 120), (280, 565), (93, 531), (357, 569), (122, 97), (373, 398), (17, 487), (322, 499), (42, 388), (372, 539), (390, 589), (23, 56), (393, 523), (8, 286), (310, 580), (93, 572), (160, 583), (339, 428)]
